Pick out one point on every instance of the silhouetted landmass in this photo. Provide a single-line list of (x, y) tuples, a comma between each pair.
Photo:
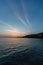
[(38, 35)]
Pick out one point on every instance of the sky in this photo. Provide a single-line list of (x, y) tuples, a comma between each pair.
[(20, 17)]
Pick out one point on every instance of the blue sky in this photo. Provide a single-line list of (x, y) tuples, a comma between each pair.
[(22, 15)]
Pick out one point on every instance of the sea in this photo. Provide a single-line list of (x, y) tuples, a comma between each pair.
[(21, 51)]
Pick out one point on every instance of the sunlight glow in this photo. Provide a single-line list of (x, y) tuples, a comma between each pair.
[(13, 30)]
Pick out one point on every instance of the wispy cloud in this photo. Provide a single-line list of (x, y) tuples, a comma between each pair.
[(25, 22), (25, 14), (7, 25), (10, 29), (13, 30), (21, 20), (15, 12)]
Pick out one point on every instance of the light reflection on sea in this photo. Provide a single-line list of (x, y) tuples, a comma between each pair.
[(21, 51)]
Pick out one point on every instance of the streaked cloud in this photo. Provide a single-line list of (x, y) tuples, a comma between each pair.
[(13, 30), (8, 25), (21, 20), (15, 12), (25, 14)]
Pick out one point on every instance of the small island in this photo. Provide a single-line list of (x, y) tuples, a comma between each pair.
[(38, 35)]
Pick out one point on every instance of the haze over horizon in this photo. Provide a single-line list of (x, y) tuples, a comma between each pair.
[(21, 17)]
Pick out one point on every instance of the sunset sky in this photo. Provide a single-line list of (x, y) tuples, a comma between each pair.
[(20, 17)]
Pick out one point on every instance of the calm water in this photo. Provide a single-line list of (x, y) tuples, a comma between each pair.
[(21, 51)]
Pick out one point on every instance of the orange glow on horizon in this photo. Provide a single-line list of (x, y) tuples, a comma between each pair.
[(13, 34)]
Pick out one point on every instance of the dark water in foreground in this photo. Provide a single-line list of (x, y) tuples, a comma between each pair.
[(21, 51)]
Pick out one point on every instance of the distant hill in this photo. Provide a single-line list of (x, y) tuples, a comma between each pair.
[(38, 35)]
